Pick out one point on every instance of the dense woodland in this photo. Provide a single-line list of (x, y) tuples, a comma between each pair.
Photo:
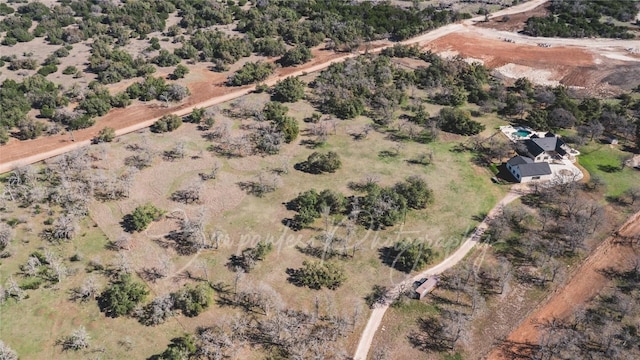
[(282, 28), (585, 19)]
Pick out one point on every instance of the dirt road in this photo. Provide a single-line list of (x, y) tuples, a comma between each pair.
[(377, 314), (587, 282), (140, 116)]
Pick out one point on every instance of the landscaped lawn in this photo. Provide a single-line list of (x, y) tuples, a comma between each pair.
[(605, 161)]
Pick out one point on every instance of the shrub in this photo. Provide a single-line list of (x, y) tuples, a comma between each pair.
[(458, 121), (318, 163), (192, 300), (142, 216), (167, 123), (70, 70), (251, 72), (290, 89), (316, 275), (106, 134), (61, 52), (47, 69), (122, 296), (408, 255), (296, 56), (179, 72)]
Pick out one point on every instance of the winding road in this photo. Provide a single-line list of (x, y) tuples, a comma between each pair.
[(377, 314)]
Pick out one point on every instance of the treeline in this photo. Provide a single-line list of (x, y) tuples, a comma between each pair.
[(553, 108), (577, 19), (51, 102)]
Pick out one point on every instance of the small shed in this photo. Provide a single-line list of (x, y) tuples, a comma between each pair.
[(426, 286), (612, 140)]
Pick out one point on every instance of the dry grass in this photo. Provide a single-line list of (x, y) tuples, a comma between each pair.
[(462, 192)]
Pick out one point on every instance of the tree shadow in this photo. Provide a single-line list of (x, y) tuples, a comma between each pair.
[(609, 168), (429, 337), (128, 224), (305, 167), (312, 144), (389, 254), (517, 350)]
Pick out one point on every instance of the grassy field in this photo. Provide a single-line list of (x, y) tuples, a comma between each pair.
[(463, 192), (606, 162)]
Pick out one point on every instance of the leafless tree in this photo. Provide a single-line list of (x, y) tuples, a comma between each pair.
[(176, 92), (13, 290), (6, 235), (56, 265), (78, 340), (85, 292), (64, 228), (177, 152), (214, 343), (265, 183), (157, 311), (122, 265), (191, 237), (123, 242), (633, 194), (142, 159), (189, 195), (7, 353), (212, 174), (32, 267)]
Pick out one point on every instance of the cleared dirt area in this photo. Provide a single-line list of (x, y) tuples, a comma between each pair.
[(514, 22), (587, 282), (598, 71)]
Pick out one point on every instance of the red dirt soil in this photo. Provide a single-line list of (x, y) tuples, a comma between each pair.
[(496, 53), (585, 284), (206, 91)]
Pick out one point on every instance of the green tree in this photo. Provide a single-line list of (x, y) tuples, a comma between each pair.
[(192, 300), (167, 123), (382, 206), (106, 134), (290, 89), (180, 348), (287, 125), (316, 275), (197, 115), (407, 256), (296, 56), (165, 59), (458, 121), (122, 296), (179, 72), (251, 72), (142, 216), (416, 192), (318, 163)]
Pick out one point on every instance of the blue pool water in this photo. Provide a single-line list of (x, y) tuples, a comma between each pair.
[(523, 133)]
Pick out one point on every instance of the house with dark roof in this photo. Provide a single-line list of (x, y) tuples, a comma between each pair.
[(525, 169), (546, 149)]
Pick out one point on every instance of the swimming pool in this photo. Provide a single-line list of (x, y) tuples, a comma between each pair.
[(522, 133)]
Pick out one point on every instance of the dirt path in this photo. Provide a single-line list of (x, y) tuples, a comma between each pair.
[(587, 282), (366, 339)]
